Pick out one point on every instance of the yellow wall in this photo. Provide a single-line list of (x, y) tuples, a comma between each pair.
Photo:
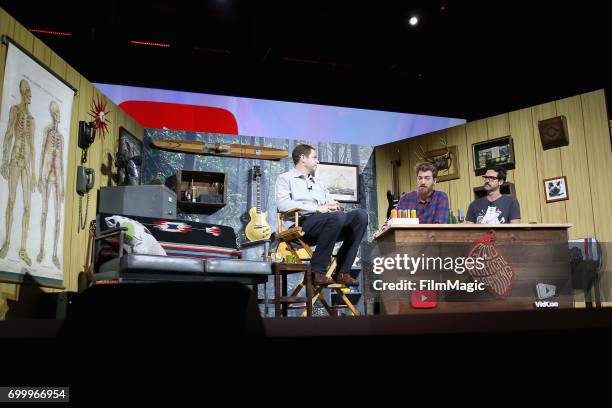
[(585, 162), (75, 240)]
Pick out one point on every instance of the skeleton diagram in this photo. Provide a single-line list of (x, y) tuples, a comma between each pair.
[(51, 179), (19, 167)]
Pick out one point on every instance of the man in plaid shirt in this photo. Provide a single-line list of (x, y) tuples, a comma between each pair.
[(431, 205)]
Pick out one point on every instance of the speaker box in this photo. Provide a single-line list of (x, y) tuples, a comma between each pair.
[(155, 200), (164, 310), (553, 132)]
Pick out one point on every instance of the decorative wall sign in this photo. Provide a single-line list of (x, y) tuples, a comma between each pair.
[(445, 160), (553, 132), (451, 170), (34, 136), (556, 189)]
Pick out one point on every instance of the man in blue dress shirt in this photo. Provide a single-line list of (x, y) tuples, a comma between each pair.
[(322, 219)]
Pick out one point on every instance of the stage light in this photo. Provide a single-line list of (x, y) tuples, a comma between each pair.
[(413, 21), (150, 44), (61, 33)]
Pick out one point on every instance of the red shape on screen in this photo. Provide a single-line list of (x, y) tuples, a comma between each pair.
[(176, 116)]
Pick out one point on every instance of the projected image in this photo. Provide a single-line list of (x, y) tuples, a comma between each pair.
[(196, 112)]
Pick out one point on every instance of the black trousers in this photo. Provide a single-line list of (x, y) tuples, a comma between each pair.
[(325, 229)]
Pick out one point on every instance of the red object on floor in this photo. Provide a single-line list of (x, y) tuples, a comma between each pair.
[(176, 116)]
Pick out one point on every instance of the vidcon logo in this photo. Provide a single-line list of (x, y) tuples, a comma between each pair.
[(544, 292)]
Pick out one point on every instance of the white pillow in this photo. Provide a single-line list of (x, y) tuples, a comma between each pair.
[(137, 238)]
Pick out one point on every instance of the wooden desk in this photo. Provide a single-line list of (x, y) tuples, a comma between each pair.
[(533, 250)]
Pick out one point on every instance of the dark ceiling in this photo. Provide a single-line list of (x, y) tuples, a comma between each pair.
[(465, 59)]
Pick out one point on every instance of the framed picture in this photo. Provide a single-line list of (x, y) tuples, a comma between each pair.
[(342, 180), (498, 151), (129, 159), (450, 170), (556, 189)]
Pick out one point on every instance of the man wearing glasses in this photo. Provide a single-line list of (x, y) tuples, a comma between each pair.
[(494, 208)]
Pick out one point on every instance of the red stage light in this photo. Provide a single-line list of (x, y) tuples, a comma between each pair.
[(150, 44), (62, 33)]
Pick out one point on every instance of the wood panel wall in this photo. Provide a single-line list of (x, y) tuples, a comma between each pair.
[(75, 239), (586, 162)]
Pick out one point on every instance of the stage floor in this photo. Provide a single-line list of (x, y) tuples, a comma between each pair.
[(400, 325)]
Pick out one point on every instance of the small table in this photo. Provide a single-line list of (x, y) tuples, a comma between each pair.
[(281, 300)]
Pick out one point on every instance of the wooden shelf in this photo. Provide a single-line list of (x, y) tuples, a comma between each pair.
[(506, 189), (207, 184), (197, 208)]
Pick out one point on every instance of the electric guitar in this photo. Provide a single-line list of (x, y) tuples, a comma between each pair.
[(258, 227), (393, 196)]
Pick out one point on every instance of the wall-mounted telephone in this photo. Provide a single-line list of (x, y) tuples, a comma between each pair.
[(87, 134), (86, 177)]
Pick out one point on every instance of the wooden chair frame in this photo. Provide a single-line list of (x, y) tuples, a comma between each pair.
[(288, 240)]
